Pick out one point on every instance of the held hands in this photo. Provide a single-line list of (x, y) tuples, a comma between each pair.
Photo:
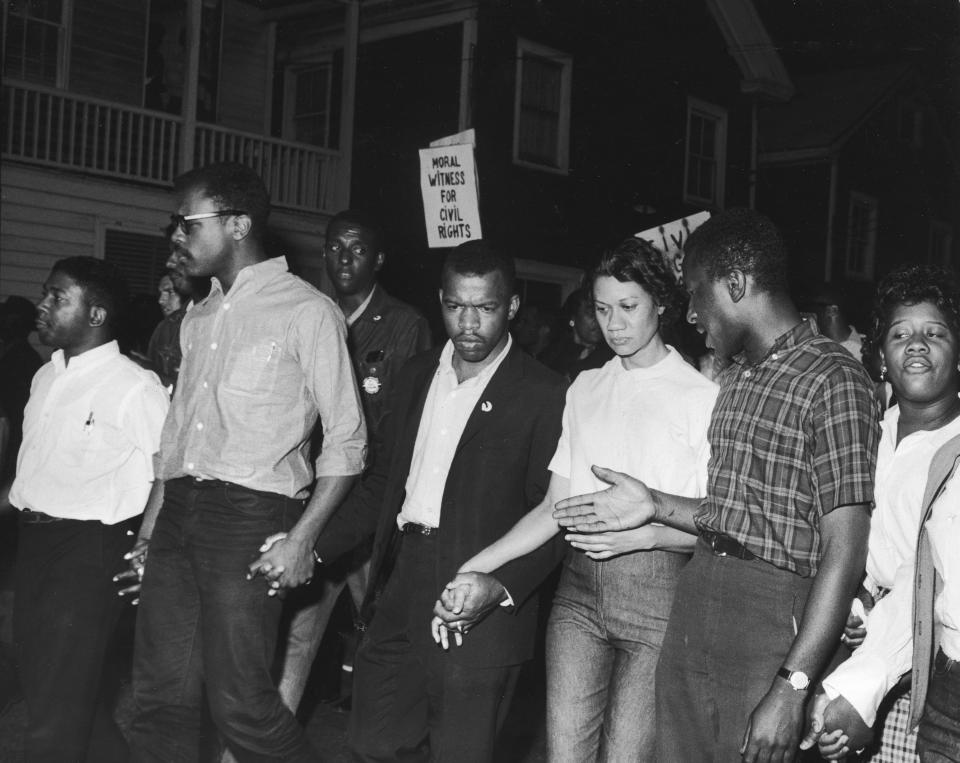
[(452, 598), (626, 504), (464, 602), (137, 556), (835, 727), (285, 562)]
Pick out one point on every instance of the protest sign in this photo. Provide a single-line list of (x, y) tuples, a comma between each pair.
[(448, 182), (670, 237)]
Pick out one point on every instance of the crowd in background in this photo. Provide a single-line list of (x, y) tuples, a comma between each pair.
[(755, 526)]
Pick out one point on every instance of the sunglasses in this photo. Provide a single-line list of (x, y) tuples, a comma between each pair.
[(182, 222)]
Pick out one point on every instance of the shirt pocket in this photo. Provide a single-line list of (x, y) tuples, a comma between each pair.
[(92, 444), (253, 368)]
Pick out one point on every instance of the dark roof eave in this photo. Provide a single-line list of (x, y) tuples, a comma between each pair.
[(797, 156), (772, 90)]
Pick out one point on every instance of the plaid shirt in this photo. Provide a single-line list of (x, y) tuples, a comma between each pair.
[(792, 438)]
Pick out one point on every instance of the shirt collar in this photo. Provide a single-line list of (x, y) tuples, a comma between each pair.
[(803, 332), (660, 368), (355, 315), (258, 275), (446, 363), (92, 357)]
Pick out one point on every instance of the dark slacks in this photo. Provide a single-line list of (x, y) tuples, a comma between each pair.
[(65, 614), (411, 700), (938, 740), (202, 624), (731, 626)]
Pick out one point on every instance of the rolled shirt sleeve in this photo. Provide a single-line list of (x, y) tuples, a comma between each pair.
[(321, 341)]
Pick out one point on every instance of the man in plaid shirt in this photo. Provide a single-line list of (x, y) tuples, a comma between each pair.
[(783, 530)]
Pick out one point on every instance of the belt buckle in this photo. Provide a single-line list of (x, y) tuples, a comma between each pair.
[(714, 541)]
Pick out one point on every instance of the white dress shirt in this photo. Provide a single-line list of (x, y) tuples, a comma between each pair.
[(445, 413), (90, 430)]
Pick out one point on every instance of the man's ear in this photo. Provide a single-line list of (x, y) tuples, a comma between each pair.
[(514, 307), (97, 316), (242, 224), (381, 258), (736, 285)]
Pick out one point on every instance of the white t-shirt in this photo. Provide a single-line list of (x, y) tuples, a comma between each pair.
[(650, 423)]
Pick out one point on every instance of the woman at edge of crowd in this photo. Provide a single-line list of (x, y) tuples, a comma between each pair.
[(645, 412), (916, 336), (577, 344)]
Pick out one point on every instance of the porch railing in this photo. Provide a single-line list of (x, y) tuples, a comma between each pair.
[(298, 175), (55, 128)]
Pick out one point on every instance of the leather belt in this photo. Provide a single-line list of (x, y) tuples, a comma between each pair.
[(724, 545), (31, 517), (412, 528), (198, 483)]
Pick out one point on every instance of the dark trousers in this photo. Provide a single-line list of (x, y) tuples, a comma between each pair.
[(938, 740), (202, 624), (65, 614), (731, 626), (411, 700)]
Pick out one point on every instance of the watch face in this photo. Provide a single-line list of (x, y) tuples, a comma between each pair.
[(799, 680)]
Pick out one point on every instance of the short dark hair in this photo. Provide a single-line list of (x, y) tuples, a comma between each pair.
[(102, 283), (477, 258), (636, 260), (363, 219), (740, 239), (911, 285), (575, 301), (231, 185)]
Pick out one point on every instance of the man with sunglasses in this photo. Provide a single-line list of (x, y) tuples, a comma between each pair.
[(264, 355)]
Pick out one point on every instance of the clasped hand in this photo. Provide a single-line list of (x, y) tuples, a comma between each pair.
[(284, 562), (835, 727), (464, 602), (137, 557)]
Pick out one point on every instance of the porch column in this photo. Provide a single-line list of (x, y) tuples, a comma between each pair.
[(351, 37), (190, 83)]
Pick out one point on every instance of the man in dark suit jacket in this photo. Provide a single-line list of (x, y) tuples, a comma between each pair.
[(467, 438)]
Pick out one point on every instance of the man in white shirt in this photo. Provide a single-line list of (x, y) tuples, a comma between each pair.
[(841, 715), (84, 475)]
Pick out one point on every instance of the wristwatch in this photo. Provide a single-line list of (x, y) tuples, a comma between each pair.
[(797, 679)]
